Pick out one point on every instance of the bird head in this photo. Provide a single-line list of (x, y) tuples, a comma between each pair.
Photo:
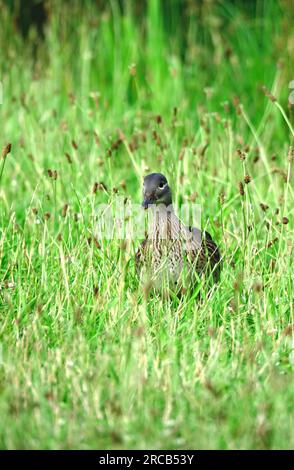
[(156, 190)]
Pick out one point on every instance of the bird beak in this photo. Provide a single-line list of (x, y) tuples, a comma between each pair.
[(146, 203)]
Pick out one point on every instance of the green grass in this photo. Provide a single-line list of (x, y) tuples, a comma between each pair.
[(87, 360)]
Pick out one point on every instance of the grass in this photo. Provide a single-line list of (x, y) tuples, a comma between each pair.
[(87, 358)]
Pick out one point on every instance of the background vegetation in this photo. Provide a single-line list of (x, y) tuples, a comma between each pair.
[(94, 97)]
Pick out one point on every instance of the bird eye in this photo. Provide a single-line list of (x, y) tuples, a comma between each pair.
[(161, 185)]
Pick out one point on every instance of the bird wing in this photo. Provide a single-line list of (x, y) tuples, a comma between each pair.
[(208, 252)]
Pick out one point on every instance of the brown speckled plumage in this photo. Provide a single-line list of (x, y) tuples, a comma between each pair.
[(171, 251)]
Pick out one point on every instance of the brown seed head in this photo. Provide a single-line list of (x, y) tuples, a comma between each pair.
[(64, 210), (147, 288), (226, 106), (99, 186), (115, 145), (241, 155), (268, 94), (6, 150), (257, 287), (156, 137), (236, 101), (68, 157), (247, 179), (74, 144), (288, 331), (272, 242), (95, 291), (96, 243), (222, 197), (236, 104), (133, 70), (241, 189), (121, 135), (264, 207), (96, 137)]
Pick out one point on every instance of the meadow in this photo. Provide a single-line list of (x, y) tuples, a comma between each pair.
[(89, 358)]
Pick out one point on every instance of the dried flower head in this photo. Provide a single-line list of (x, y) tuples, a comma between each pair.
[(133, 70), (99, 186), (95, 187), (74, 144), (6, 150), (236, 104), (264, 207), (95, 291), (156, 137), (121, 135), (68, 157), (115, 145), (64, 210), (221, 197), (96, 243), (226, 106), (257, 286), (241, 154), (268, 94), (247, 179), (272, 242), (288, 331), (147, 288)]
